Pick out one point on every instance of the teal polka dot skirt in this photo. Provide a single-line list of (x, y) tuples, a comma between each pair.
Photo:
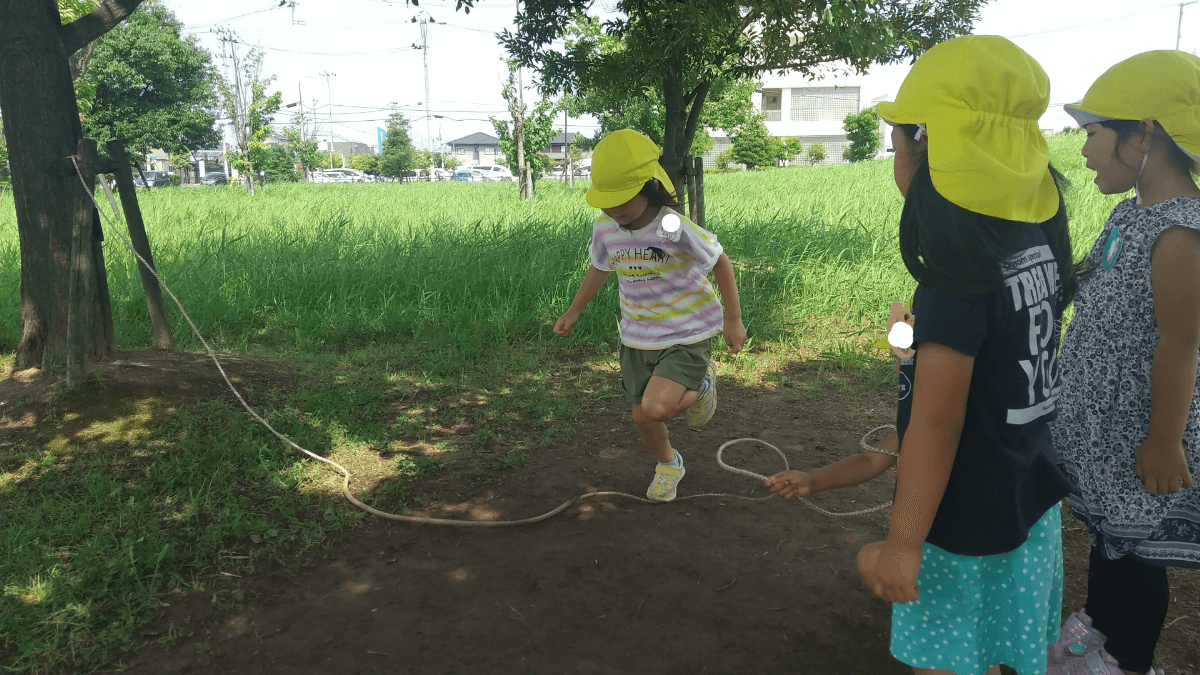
[(976, 612)]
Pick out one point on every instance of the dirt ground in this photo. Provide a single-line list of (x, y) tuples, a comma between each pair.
[(708, 585)]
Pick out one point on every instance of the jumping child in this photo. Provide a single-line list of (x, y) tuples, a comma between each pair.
[(973, 557), (1128, 430), (669, 312)]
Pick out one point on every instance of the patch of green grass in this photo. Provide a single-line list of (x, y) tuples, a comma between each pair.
[(513, 459), (421, 466), (110, 507)]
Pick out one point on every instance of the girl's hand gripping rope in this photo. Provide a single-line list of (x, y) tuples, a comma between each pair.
[(890, 570), (790, 484), (1162, 466)]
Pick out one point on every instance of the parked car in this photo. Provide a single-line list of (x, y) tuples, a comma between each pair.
[(434, 174), (339, 176), (471, 174), (214, 178), (492, 174), (153, 179)]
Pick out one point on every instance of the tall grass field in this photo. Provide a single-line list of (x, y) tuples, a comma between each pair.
[(472, 268)]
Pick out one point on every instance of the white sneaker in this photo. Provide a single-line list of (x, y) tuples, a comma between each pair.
[(666, 480)]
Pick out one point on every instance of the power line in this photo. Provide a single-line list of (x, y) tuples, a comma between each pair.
[(210, 24), (1093, 23), (477, 30), (308, 53)]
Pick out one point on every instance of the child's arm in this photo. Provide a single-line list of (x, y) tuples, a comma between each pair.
[(734, 331), (866, 465), (592, 283), (1175, 280), (939, 409)]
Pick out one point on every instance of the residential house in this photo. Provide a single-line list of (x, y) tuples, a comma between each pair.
[(158, 160), (795, 106), (557, 148), (348, 149), (275, 138), (476, 149)]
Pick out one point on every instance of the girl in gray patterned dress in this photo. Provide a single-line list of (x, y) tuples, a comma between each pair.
[(1128, 427)]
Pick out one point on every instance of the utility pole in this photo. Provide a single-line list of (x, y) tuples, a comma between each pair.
[(524, 177), (425, 19), (329, 93), (1179, 30), (300, 91)]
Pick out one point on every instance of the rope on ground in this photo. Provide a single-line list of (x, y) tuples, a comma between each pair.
[(421, 519)]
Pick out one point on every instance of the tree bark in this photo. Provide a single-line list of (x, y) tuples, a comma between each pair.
[(82, 281), (41, 126), (682, 120), (674, 149)]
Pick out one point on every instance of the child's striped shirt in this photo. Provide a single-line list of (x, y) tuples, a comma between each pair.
[(666, 297)]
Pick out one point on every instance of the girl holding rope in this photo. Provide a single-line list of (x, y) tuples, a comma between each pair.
[(871, 462), (973, 557), (1128, 430), (669, 312)]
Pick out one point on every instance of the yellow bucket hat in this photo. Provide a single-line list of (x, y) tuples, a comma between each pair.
[(980, 98), (621, 164), (1164, 85)]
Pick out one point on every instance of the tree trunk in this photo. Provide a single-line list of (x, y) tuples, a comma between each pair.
[(41, 126), (522, 160), (683, 116)]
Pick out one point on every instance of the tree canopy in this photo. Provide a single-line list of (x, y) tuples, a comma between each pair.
[(683, 50), (246, 102), (752, 145), (727, 107), (862, 130), (398, 156), (539, 130), (164, 97)]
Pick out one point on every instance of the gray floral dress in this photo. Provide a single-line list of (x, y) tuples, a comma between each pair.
[(1104, 402)]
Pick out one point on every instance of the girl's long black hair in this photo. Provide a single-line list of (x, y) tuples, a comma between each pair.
[(960, 252)]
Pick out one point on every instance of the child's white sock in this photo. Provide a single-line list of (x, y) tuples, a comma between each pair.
[(678, 461)]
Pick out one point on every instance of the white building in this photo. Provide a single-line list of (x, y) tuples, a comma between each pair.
[(812, 110)]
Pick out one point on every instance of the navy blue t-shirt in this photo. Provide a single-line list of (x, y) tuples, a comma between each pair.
[(1005, 475)]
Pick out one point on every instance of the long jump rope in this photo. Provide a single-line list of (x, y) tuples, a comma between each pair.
[(445, 521)]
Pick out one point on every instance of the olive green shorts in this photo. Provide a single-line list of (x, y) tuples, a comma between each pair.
[(685, 364)]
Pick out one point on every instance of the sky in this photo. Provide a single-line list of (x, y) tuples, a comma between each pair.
[(367, 47)]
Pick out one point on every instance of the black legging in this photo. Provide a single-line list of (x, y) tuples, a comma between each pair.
[(1127, 600)]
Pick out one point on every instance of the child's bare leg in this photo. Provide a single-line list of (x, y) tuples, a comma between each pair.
[(663, 401), (654, 435), (993, 670)]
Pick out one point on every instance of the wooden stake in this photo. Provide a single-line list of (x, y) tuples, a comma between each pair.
[(141, 244), (691, 188)]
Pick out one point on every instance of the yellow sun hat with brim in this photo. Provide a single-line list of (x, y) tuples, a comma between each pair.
[(1163, 85), (980, 98), (621, 164)]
